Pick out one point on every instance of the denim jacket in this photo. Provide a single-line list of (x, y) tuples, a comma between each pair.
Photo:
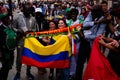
[(94, 30)]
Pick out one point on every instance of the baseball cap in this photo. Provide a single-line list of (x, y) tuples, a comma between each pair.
[(38, 10)]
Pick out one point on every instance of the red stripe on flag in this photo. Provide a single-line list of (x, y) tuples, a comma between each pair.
[(51, 64)]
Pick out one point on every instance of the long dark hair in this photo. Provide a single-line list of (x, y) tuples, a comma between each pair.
[(84, 10), (63, 21), (54, 23), (116, 12)]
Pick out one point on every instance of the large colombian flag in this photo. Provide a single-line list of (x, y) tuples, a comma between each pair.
[(52, 56)]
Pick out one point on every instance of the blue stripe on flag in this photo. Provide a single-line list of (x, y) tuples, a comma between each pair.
[(60, 56)]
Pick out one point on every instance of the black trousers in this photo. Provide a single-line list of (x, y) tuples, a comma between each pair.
[(114, 59), (4, 71), (7, 62), (83, 55)]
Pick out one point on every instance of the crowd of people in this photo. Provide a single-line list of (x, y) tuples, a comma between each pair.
[(96, 19)]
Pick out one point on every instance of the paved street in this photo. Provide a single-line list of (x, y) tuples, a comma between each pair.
[(34, 71), (23, 74)]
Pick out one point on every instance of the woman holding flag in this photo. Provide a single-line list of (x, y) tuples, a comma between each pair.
[(52, 26), (63, 74)]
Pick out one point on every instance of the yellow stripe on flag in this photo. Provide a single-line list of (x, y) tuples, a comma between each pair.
[(61, 44)]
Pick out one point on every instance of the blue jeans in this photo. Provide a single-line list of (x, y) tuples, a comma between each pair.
[(63, 74)]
